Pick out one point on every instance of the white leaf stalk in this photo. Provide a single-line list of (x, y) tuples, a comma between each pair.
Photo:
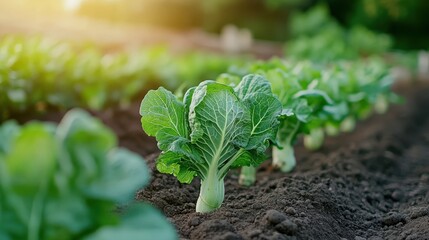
[(284, 159), (247, 176), (314, 140), (381, 104), (348, 124), (332, 129), (212, 189), (212, 193)]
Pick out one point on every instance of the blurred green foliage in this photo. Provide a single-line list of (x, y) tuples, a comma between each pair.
[(354, 88), (64, 183), (319, 37), (405, 20), (38, 73)]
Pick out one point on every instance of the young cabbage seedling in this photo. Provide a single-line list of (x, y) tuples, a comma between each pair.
[(302, 102), (216, 127), (326, 120), (291, 126), (300, 109)]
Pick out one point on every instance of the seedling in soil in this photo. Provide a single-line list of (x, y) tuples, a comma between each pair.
[(215, 127)]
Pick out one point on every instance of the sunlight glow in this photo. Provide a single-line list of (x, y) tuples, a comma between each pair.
[(71, 5)]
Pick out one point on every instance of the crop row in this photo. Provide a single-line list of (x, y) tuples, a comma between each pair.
[(231, 122), (38, 73)]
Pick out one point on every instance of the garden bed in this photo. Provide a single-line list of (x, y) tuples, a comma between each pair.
[(369, 184)]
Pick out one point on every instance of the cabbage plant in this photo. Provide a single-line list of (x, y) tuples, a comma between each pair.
[(215, 127), (65, 182)]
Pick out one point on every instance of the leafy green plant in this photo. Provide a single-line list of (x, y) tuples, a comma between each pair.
[(318, 98), (305, 104), (310, 22), (64, 183), (214, 128), (302, 104)]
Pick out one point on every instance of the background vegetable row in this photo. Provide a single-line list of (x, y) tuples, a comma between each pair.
[(321, 98), (41, 73), (231, 122), (316, 35)]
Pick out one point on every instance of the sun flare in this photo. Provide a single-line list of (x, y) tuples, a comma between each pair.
[(72, 5)]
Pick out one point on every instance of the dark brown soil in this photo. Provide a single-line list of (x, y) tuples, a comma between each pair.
[(369, 184)]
